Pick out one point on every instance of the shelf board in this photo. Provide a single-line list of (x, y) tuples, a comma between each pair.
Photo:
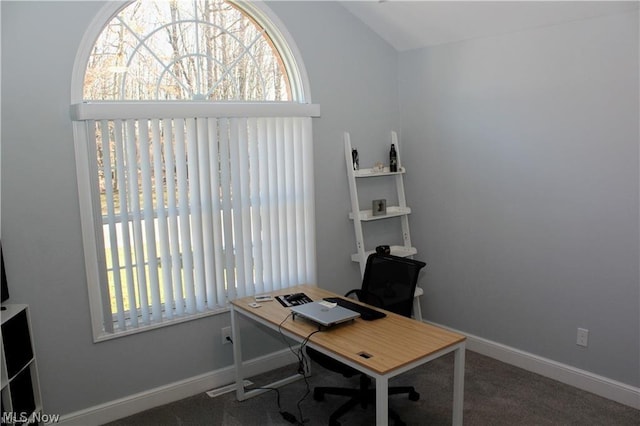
[(373, 172), (401, 251), (392, 211), (11, 311)]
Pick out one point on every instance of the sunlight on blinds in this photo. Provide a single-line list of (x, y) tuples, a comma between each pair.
[(197, 211)]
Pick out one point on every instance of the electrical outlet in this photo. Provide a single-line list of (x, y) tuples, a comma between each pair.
[(583, 337), (226, 335)]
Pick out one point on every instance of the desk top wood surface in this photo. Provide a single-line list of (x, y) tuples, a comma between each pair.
[(392, 342)]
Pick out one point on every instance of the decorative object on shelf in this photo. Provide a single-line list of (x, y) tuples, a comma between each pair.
[(383, 249), (379, 207), (393, 159), (355, 158), (378, 167)]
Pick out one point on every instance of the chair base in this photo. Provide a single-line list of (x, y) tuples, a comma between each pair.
[(363, 397)]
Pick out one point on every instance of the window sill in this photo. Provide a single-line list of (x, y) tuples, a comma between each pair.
[(104, 336)]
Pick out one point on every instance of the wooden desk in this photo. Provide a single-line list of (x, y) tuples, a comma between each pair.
[(394, 345)]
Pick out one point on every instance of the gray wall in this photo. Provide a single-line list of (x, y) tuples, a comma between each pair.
[(527, 190), (40, 213)]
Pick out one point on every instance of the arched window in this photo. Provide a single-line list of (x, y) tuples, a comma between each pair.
[(194, 157), (185, 50)]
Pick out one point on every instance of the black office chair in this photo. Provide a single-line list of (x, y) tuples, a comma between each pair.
[(389, 283)]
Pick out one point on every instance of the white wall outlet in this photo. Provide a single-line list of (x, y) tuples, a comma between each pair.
[(583, 337), (226, 335)]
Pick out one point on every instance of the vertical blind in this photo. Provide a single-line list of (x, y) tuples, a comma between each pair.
[(197, 211)]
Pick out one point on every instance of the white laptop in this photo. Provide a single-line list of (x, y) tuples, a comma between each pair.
[(324, 313)]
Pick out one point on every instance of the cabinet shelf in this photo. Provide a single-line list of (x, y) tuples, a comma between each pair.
[(392, 211), (374, 172)]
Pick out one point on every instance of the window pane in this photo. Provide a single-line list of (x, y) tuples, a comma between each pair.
[(185, 50)]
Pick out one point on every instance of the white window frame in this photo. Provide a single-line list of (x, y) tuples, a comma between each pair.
[(91, 217)]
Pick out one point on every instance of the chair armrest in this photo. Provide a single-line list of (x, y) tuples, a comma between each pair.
[(366, 297)]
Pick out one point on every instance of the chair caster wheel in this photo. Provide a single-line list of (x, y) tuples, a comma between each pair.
[(414, 396)]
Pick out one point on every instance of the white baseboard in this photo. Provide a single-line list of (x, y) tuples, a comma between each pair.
[(581, 379), (133, 404)]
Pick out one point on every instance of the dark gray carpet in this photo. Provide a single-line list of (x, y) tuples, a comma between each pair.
[(495, 394)]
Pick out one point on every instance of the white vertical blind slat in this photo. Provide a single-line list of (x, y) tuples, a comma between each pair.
[(214, 159), (131, 137), (162, 201), (184, 217), (112, 226), (255, 203), (281, 204), (152, 284), (227, 217), (247, 243), (290, 183), (161, 225), (206, 292), (174, 293), (274, 217), (265, 197), (194, 130), (243, 166), (125, 251), (90, 131), (298, 182), (307, 198), (236, 207)]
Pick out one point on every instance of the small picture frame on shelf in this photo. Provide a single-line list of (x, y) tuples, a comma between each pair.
[(379, 207)]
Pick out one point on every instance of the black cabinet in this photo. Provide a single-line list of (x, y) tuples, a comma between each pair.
[(21, 402)]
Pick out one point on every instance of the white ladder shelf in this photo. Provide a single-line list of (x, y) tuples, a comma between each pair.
[(400, 211)]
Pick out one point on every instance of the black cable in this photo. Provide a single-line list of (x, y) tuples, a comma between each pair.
[(297, 354), (302, 370), (285, 414)]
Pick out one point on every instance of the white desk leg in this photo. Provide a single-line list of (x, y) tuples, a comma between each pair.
[(382, 401), (458, 385), (237, 354)]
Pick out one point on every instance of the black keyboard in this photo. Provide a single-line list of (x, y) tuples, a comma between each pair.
[(366, 313)]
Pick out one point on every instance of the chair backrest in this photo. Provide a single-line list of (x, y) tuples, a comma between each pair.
[(390, 282)]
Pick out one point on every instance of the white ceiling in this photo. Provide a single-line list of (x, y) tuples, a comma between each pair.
[(414, 24)]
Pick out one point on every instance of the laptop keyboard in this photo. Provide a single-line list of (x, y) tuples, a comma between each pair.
[(366, 313)]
